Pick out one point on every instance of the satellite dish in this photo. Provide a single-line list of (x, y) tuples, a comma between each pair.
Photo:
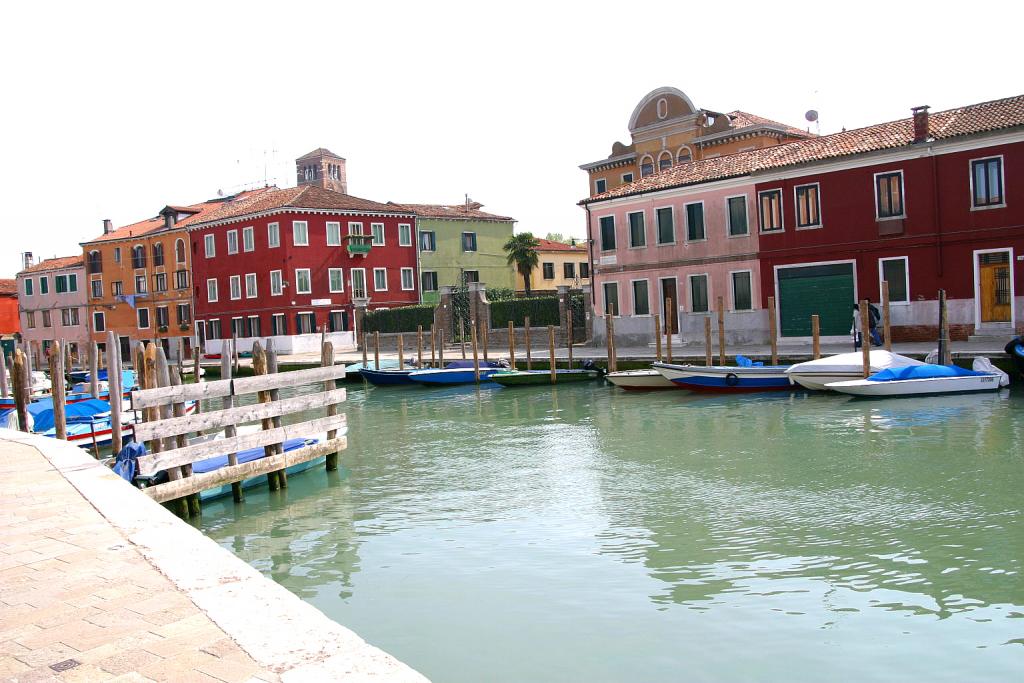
[(811, 115)]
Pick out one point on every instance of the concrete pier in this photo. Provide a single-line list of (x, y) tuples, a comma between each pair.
[(98, 582)]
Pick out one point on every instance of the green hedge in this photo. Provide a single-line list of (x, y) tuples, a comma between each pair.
[(543, 311), (404, 319)]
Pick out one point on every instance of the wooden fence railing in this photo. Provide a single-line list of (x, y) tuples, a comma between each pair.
[(166, 435)]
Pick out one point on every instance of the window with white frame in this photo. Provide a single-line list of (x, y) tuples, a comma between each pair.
[(303, 284), (163, 318), (664, 161), (699, 293), (278, 325), (427, 241), (377, 230), (637, 230), (250, 285), (181, 279), (355, 228), (44, 285), (305, 323), (380, 279), (184, 313), (627, 177), (46, 319), (238, 327), (211, 290), (695, 222), (179, 251), (469, 241), (600, 186), (276, 283), (641, 300), (143, 317), (29, 282), (248, 239), (69, 317), (273, 235), (30, 320), (770, 210), (99, 322), (235, 286), (404, 235), (335, 280), (987, 183), (611, 298), (428, 281), (232, 241), (607, 233), (160, 282), (141, 285), (646, 166), (209, 246), (300, 233), (97, 287), (358, 283), (742, 297), (548, 270), (889, 195), (333, 234), (737, 215), (213, 329), (895, 271), (408, 280), (808, 206), (666, 226), (253, 327)]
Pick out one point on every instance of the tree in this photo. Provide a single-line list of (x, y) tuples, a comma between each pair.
[(522, 255), (556, 237)]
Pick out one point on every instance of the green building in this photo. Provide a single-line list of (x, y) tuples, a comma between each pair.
[(459, 243)]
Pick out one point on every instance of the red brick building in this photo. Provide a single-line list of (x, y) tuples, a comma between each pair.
[(289, 262), (9, 307)]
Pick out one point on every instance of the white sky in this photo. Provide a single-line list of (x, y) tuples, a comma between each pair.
[(115, 110)]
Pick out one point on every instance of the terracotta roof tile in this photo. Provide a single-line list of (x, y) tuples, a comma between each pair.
[(56, 263), (8, 287), (742, 119), (549, 245), (969, 120), (459, 210)]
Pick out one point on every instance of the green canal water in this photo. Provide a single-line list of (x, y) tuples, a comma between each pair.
[(589, 534)]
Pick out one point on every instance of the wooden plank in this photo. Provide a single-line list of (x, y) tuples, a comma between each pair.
[(327, 360), (229, 430), (149, 398), (259, 367), (236, 473), (155, 462), (235, 415), (296, 378)]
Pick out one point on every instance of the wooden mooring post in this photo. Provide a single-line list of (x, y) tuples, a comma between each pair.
[(865, 337), (511, 345), (613, 364), (551, 353), (227, 403), (115, 391), (707, 341), (484, 338), (886, 320), (94, 369), (721, 331), (259, 368), (462, 338), (433, 347), (476, 356), (945, 353), (440, 348), (19, 370), (568, 334), (376, 350), (419, 346), (670, 315), (773, 337), (657, 336), (4, 386), (401, 352), (529, 351), (327, 361), (57, 390), (180, 441), (366, 342), (816, 336)]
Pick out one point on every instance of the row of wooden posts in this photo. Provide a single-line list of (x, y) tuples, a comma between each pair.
[(772, 331)]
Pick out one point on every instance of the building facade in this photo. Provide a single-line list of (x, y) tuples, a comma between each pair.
[(458, 244), (9, 322), (289, 263), (922, 203), (667, 129), (558, 265), (52, 306)]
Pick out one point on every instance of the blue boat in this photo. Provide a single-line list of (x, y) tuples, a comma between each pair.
[(452, 375), (727, 378), (88, 422), (127, 382), (389, 377), (248, 455)]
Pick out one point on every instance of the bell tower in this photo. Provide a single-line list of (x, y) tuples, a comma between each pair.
[(324, 168)]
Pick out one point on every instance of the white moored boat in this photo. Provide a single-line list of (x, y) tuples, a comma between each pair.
[(640, 380), (923, 380), (815, 374)]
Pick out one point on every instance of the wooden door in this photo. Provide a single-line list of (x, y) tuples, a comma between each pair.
[(994, 286), (670, 314)]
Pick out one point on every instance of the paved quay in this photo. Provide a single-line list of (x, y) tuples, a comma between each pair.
[(99, 583)]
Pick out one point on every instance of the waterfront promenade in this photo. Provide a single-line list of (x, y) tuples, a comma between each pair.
[(97, 582)]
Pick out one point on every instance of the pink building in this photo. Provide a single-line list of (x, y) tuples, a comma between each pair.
[(690, 244), (52, 305)]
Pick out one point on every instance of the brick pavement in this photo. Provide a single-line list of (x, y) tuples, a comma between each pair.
[(78, 602)]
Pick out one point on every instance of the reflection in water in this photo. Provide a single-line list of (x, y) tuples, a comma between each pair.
[(584, 533)]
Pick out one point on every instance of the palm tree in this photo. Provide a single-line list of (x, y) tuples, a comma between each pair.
[(521, 254)]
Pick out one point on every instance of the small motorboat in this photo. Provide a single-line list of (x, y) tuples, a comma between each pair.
[(641, 380), (522, 378), (457, 372), (815, 374), (747, 375), (87, 421), (1015, 349), (925, 380), (389, 377)]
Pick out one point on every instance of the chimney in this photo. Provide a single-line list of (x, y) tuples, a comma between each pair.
[(920, 123), (28, 259), (170, 217), (108, 226)]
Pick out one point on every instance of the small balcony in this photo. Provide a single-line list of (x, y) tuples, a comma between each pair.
[(359, 245)]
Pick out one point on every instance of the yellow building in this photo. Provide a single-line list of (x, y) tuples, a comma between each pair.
[(557, 264), (667, 129)]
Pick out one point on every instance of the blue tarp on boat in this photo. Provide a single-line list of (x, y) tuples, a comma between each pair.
[(923, 372), (83, 411), (211, 464)]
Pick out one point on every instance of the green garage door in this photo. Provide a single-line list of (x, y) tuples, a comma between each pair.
[(824, 290)]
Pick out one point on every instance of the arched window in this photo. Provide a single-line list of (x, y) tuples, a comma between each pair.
[(138, 256), (646, 166), (683, 155), (179, 251), (95, 262), (158, 254), (664, 160)]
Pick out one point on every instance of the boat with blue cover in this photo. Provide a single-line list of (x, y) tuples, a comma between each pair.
[(457, 372), (924, 380), (81, 393), (1015, 349), (746, 375)]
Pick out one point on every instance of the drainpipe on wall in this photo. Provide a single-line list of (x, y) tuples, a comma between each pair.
[(590, 257)]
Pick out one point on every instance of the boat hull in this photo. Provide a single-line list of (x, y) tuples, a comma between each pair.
[(451, 376), (917, 387), (641, 380), (540, 377), (387, 377), (816, 374), (727, 379)]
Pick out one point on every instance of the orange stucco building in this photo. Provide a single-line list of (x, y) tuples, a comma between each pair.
[(666, 129)]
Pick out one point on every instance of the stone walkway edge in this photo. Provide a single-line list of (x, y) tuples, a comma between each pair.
[(279, 631)]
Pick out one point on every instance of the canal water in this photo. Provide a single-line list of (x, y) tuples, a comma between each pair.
[(588, 534)]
